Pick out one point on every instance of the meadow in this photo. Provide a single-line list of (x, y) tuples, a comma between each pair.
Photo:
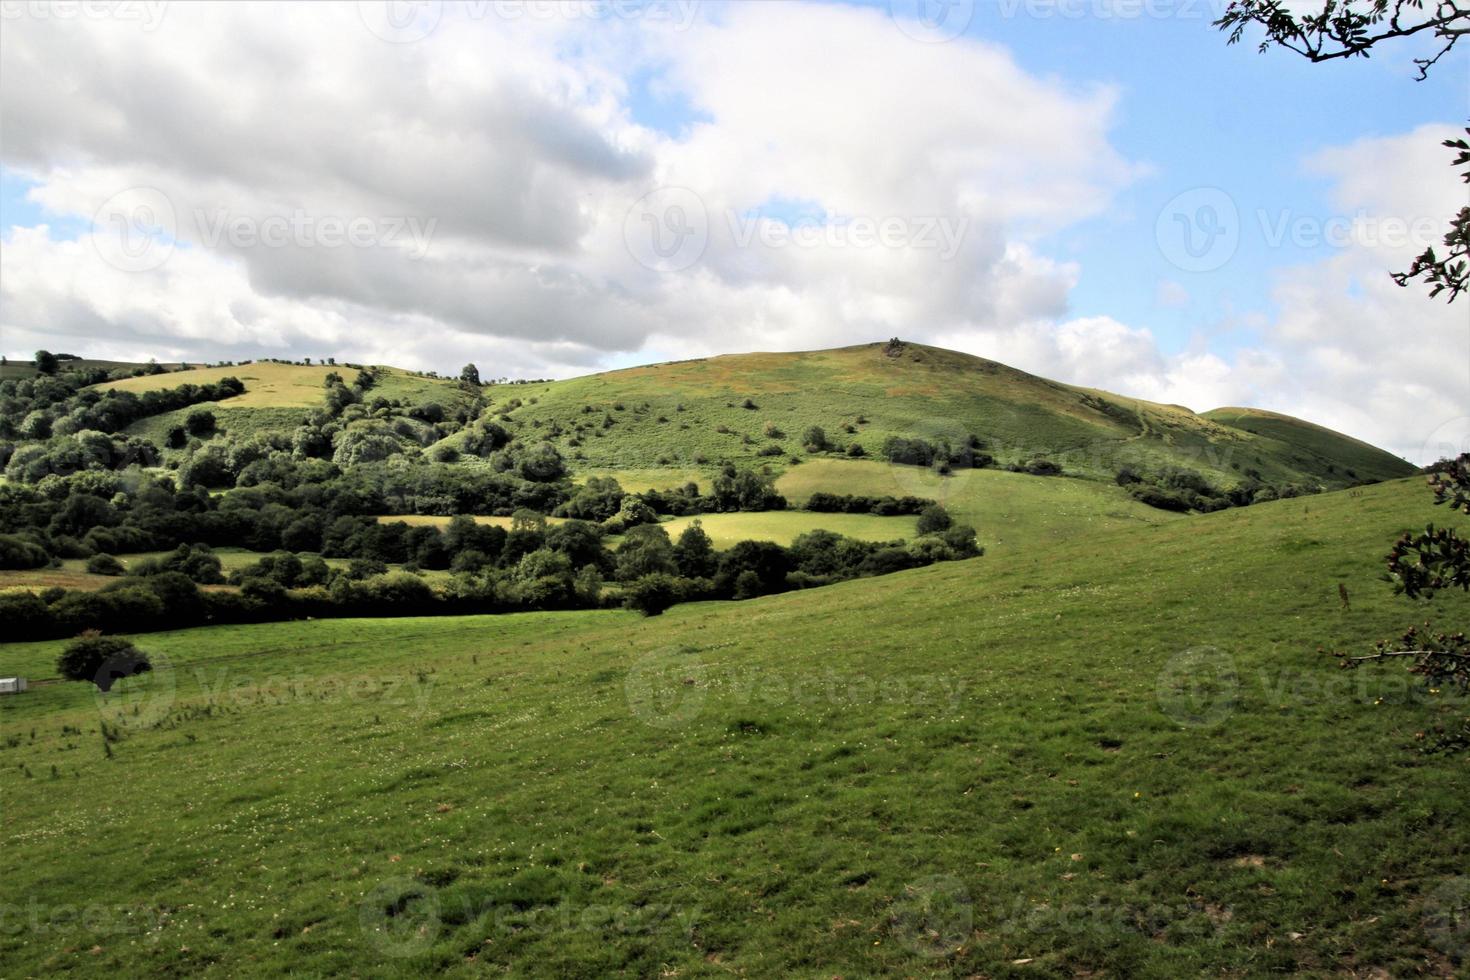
[(688, 415), (1118, 752)]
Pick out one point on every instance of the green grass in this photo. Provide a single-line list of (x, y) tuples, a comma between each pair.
[(671, 417), (780, 526), (1009, 510), (267, 384), (783, 526), (979, 768), (73, 572)]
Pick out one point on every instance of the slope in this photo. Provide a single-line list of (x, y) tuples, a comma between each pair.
[(1116, 753), (691, 413)]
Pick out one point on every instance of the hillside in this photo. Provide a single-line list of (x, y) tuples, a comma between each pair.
[(999, 767), (672, 415)]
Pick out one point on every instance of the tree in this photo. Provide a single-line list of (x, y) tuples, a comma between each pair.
[(200, 422), (103, 660), (645, 550), (934, 519), (46, 362), (470, 375), (695, 552), (1419, 565), (1340, 29), (652, 594), (815, 440)]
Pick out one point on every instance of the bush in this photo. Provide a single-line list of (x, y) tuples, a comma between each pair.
[(104, 565), (652, 594), (16, 552), (934, 519), (103, 660), (200, 422)]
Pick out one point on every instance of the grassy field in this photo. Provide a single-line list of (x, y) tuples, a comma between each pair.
[(1009, 510), (73, 572), (267, 384), (671, 415), (1116, 753), (20, 370), (780, 526)]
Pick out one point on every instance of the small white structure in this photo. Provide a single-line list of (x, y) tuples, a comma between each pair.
[(12, 685)]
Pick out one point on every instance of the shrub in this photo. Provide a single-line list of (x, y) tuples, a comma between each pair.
[(200, 422), (815, 440), (652, 594), (17, 552), (934, 519), (104, 565), (103, 660)]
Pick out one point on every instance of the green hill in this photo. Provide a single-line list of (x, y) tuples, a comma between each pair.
[(690, 413), (1114, 753)]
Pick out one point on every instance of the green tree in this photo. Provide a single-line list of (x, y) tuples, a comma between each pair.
[(1419, 565), (1330, 30), (934, 519), (103, 660), (46, 362), (470, 375)]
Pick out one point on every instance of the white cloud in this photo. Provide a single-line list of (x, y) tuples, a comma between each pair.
[(512, 140), (513, 144)]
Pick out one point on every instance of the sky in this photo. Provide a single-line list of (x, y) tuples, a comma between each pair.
[(1103, 192)]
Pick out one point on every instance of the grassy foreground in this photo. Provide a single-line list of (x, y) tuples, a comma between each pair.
[(1116, 752)]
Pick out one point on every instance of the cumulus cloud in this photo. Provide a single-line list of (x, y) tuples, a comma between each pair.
[(507, 146), (282, 180)]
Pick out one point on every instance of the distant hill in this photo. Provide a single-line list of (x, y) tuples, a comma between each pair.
[(672, 415), (687, 416)]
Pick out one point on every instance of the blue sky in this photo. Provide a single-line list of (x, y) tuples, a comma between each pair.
[(533, 143)]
